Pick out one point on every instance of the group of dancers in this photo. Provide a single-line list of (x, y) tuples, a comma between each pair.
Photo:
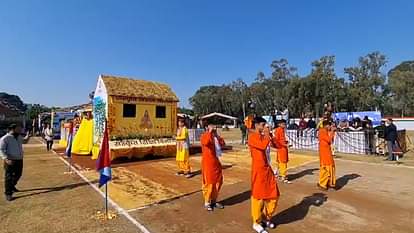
[(265, 192)]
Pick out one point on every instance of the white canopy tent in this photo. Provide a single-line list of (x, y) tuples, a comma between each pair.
[(182, 115), (217, 114)]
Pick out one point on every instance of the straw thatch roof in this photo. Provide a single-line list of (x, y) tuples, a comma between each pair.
[(127, 87)]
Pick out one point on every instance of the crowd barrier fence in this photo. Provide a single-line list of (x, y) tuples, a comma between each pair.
[(353, 142)]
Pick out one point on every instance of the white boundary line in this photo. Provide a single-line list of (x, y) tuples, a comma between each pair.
[(116, 206)]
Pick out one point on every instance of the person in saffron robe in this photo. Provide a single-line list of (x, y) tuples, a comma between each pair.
[(183, 150), (211, 170), (279, 140), (248, 121), (327, 177), (265, 192)]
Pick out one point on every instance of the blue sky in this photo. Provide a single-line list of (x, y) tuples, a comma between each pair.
[(51, 52)]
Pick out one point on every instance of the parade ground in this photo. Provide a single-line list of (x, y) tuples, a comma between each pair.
[(372, 196), (206, 116)]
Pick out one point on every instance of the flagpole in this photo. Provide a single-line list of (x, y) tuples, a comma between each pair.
[(104, 167), (106, 185), (106, 201)]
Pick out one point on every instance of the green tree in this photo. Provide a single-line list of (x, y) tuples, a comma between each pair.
[(186, 111), (239, 97), (323, 81), (281, 70), (367, 82), (33, 110), (269, 93), (401, 83), (364, 90), (210, 99), (203, 101)]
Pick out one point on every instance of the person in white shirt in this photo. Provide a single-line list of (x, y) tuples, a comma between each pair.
[(49, 137)]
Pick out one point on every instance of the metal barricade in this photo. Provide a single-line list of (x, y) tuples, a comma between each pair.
[(351, 142), (195, 135), (303, 139), (358, 142)]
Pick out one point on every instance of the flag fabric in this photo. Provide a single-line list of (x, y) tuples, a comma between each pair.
[(103, 164), (68, 150)]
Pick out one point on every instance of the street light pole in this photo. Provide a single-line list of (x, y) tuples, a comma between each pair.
[(243, 104), (244, 110)]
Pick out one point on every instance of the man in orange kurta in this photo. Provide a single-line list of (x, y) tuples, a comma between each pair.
[(248, 121), (327, 177), (282, 158), (265, 192), (211, 170)]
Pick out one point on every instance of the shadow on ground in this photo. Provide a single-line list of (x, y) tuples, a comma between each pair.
[(39, 191), (300, 210), (301, 174), (344, 180), (198, 172), (237, 199)]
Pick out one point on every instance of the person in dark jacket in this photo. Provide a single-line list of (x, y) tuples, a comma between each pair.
[(391, 137), (369, 134), (243, 130), (311, 123), (380, 129)]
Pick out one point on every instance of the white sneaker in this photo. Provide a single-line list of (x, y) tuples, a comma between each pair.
[(218, 205), (286, 181), (208, 207), (258, 228), (270, 225)]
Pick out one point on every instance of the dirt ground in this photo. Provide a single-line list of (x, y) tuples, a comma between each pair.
[(372, 196), (52, 201), (369, 199)]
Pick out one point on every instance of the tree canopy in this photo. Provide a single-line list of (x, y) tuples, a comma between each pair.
[(364, 87), (401, 85)]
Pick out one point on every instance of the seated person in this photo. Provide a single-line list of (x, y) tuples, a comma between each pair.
[(357, 125), (343, 125), (366, 123), (292, 125), (302, 124)]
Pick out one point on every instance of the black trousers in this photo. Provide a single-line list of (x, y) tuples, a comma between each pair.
[(49, 145), (12, 174)]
